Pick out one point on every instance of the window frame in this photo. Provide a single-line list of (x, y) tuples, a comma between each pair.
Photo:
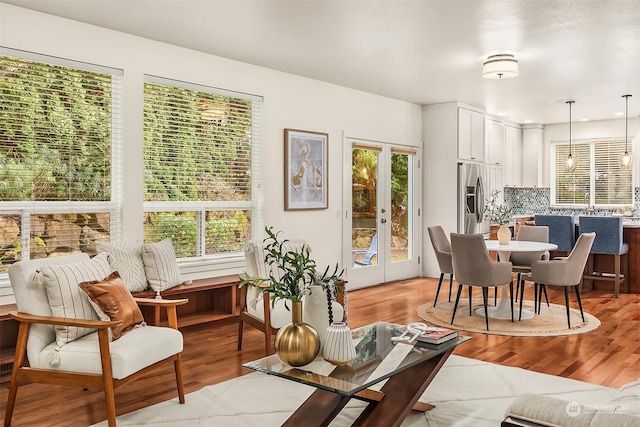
[(592, 144), (218, 262), (112, 207)]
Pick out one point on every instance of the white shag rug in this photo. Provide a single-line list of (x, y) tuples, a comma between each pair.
[(466, 392)]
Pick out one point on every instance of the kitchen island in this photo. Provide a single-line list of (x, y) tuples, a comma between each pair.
[(631, 236)]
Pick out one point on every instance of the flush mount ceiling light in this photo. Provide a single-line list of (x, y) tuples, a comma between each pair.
[(503, 66), (626, 159)]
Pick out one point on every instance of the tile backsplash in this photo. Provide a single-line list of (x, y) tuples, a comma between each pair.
[(536, 201)]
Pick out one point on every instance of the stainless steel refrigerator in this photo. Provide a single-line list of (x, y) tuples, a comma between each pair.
[(472, 192)]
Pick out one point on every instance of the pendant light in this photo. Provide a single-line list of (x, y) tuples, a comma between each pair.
[(570, 163), (626, 159)]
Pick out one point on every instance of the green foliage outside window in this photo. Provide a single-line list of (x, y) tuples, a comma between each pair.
[(55, 133)]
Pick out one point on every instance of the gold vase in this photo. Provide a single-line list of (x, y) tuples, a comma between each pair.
[(297, 344), (504, 235)]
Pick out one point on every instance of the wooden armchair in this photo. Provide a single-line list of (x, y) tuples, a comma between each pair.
[(92, 360)]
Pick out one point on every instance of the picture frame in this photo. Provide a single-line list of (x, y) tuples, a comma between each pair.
[(305, 170)]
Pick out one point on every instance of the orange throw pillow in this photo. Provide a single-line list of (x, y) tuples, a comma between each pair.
[(112, 300)]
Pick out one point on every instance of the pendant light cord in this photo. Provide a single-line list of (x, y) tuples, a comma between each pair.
[(626, 123), (570, 103)]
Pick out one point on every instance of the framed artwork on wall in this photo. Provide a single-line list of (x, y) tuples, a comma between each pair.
[(305, 170)]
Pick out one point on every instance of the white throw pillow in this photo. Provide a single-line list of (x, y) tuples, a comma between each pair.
[(65, 297), (161, 265), (126, 259)]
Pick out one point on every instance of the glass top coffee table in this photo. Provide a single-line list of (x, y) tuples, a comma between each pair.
[(407, 367)]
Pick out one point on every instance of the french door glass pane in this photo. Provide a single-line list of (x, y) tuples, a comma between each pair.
[(364, 206), (401, 165)]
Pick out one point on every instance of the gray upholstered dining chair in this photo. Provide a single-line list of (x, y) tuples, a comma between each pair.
[(521, 261), (565, 272), (472, 266), (609, 241), (442, 248)]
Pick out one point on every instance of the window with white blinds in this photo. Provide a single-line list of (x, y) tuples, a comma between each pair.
[(200, 185), (598, 179), (60, 160)]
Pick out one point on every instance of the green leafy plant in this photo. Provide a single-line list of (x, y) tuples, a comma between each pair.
[(497, 212), (298, 270)]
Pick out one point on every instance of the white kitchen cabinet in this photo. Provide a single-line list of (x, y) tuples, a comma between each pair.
[(496, 181), (512, 156), (470, 135), (495, 142), (532, 155)]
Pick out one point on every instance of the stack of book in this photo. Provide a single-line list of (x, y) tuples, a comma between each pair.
[(436, 335)]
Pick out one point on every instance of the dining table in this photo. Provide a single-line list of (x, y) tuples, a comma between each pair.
[(503, 309)]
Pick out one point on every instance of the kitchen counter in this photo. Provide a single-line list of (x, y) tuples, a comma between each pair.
[(631, 222)]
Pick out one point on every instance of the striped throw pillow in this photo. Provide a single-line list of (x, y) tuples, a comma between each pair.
[(65, 297), (161, 265)]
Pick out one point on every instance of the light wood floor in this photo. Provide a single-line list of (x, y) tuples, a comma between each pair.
[(608, 356)]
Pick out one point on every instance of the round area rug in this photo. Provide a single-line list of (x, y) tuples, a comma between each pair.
[(552, 320)]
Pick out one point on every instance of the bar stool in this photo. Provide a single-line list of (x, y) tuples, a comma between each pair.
[(561, 230), (608, 242)]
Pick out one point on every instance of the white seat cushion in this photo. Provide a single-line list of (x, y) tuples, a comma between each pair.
[(135, 350)]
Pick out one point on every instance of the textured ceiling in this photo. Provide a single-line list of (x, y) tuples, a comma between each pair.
[(423, 52)]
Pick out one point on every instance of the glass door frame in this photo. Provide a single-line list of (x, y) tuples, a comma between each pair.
[(385, 269)]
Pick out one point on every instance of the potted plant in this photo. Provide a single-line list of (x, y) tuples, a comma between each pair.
[(628, 211), (298, 272), (296, 343), (500, 213)]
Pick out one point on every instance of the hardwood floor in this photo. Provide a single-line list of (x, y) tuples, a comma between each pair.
[(609, 355)]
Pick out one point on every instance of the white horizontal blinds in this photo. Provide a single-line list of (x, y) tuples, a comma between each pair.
[(201, 185), (598, 179), (55, 132), (60, 146), (197, 145), (613, 185), (573, 187)]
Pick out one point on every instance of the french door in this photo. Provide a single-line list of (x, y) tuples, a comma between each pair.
[(382, 232)]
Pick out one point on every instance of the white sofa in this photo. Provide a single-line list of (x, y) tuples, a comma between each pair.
[(539, 410)]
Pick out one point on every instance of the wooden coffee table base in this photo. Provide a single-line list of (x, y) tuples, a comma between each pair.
[(389, 407)]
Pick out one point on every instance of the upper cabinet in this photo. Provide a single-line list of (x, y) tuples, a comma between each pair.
[(495, 142), (532, 155), (512, 156), (470, 135)]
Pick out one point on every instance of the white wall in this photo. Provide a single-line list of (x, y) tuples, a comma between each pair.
[(289, 102), (613, 128)]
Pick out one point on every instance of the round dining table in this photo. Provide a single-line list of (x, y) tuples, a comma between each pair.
[(503, 309)]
